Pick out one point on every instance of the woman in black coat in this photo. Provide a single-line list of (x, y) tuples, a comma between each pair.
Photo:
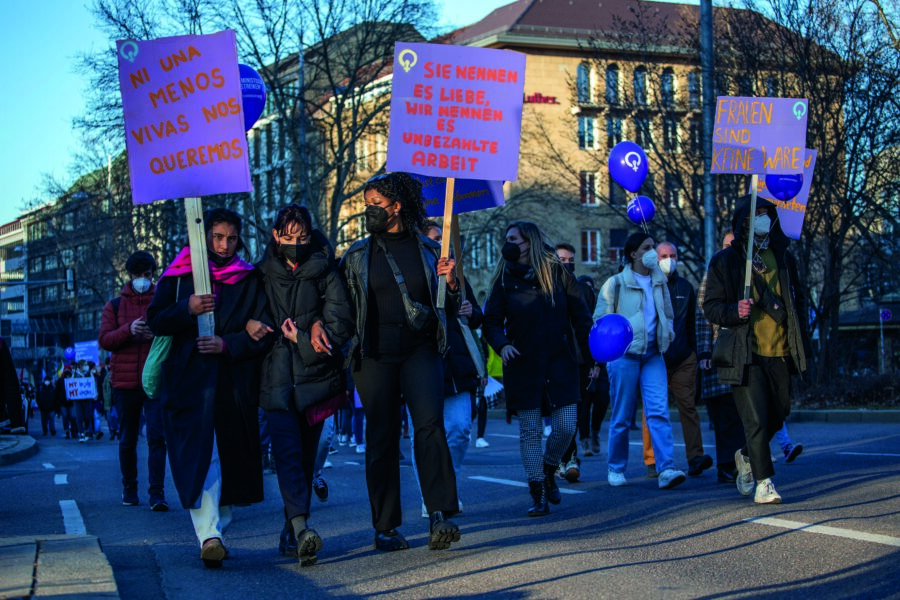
[(210, 384), (308, 300), (533, 307), (401, 334)]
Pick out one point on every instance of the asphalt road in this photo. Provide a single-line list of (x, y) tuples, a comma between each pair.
[(701, 540)]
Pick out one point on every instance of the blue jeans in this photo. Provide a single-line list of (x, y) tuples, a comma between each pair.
[(784, 440), (457, 424), (625, 374), (324, 445)]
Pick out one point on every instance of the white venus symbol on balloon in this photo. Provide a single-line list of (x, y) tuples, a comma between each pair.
[(633, 160)]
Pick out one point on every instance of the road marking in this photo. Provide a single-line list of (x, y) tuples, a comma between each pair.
[(642, 443), (350, 462), (518, 483), (868, 454), (61, 479), (48, 466), (72, 518), (506, 435), (827, 530)]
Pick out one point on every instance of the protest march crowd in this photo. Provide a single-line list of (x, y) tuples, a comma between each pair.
[(309, 349)]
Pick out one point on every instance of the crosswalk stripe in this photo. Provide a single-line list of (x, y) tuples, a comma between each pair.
[(828, 530), (72, 520), (518, 483)]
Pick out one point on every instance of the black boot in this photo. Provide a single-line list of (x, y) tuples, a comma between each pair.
[(308, 541), (443, 532), (539, 507), (553, 495)]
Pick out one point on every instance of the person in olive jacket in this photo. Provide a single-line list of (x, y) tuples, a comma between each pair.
[(210, 384), (533, 308), (769, 334), (309, 302)]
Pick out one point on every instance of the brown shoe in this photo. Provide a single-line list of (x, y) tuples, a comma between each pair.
[(212, 553)]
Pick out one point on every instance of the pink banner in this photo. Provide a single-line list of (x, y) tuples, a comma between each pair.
[(184, 122)]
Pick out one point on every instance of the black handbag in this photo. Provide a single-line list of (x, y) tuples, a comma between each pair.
[(725, 349), (771, 303), (417, 315)]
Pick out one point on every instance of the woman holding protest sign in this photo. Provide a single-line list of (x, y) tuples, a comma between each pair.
[(305, 367), (401, 334), (210, 384), (533, 309)]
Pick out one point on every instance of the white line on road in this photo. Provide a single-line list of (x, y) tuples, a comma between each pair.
[(61, 479), (518, 483), (868, 454), (827, 530), (48, 466), (350, 462), (642, 443), (72, 518), (506, 435)]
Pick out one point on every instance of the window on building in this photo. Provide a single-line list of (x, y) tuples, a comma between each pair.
[(362, 153), (585, 133), (67, 257), (697, 189), (474, 252), (695, 99), (642, 133), (672, 194), (67, 222), (51, 293), (695, 134), (640, 86), (773, 87), (85, 321), (613, 131), (490, 249), (36, 296), (612, 85), (587, 188), (617, 194), (670, 134), (617, 238), (269, 134), (36, 264), (667, 87), (50, 262), (380, 150), (583, 84), (590, 246)]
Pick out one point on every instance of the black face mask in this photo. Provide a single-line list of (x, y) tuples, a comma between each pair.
[(217, 259), (570, 267), (376, 219), (511, 252), (296, 253)]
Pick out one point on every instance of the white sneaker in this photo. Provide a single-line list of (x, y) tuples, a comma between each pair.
[(616, 479), (481, 443), (360, 448), (670, 478), (548, 429), (765, 493), (744, 479), (327, 464)]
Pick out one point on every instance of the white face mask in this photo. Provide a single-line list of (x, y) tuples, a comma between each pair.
[(140, 285), (762, 224), (650, 258), (667, 265)]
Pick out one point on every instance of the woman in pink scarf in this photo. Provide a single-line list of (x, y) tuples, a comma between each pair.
[(210, 384)]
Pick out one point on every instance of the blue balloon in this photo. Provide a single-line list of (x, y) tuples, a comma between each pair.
[(610, 337), (253, 95), (641, 210), (784, 187), (628, 165), (69, 353)]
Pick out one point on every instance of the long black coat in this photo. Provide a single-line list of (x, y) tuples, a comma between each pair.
[(203, 394), (518, 313), (725, 288), (295, 374)]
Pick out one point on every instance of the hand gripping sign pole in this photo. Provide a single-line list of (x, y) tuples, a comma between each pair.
[(471, 344), (193, 208)]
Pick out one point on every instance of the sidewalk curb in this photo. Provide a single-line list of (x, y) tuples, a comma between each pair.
[(56, 565), (15, 448)]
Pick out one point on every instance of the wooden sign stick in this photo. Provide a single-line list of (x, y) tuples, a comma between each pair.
[(193, 208), (445, 236)]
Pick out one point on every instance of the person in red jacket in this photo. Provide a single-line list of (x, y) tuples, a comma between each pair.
[(124, 332)]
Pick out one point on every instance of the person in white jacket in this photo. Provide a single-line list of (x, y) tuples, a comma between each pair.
[(639, 293)]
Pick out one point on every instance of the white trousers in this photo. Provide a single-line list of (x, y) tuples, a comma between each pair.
[(210, 520)]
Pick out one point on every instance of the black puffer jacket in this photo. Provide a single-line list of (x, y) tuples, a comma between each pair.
[(684, 308), (460, 373), (725, 288), (355, 269), (295, 375), (545, 375)]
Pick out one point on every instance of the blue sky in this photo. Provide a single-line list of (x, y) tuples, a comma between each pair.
[(41, 40)]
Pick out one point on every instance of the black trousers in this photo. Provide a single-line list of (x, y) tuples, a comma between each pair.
[(763, 403), (417, 376), (598, 400), (130, 404), (728, 429), (294, 446)]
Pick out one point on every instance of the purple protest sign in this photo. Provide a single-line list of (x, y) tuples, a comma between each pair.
[(184, 123), (468, 194), (456, 111), (759, 135), (792, 212)]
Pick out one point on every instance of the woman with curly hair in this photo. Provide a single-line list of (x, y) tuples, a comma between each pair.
[(534, 308), (401, 335)]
